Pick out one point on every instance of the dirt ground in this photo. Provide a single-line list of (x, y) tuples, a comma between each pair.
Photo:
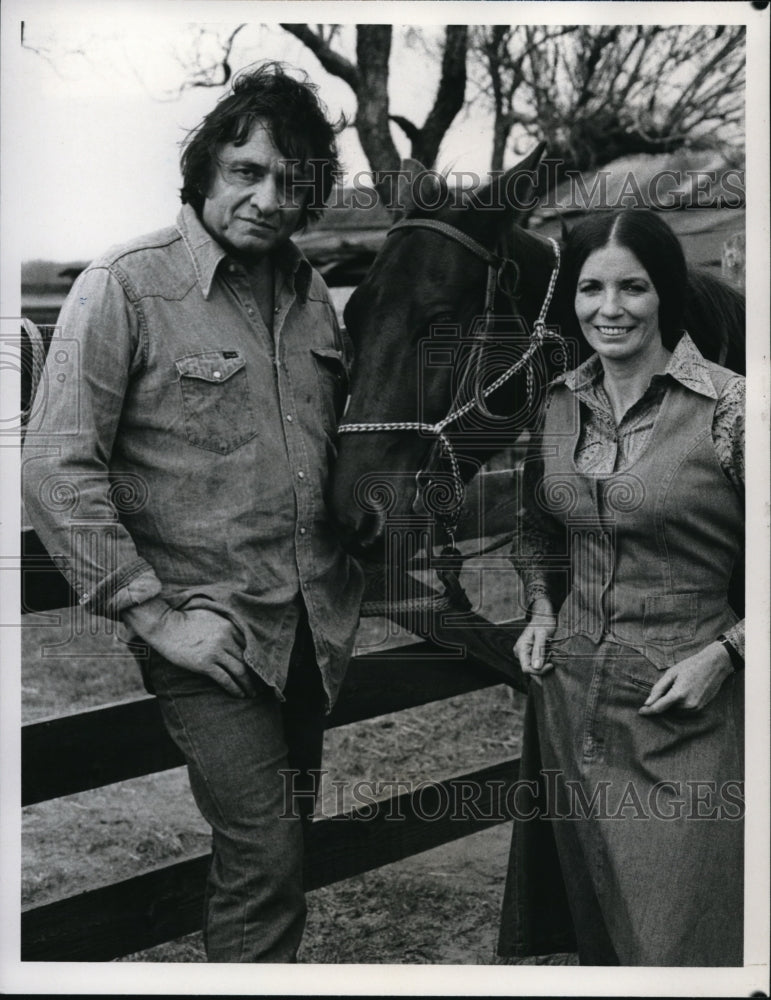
[(439, 907)]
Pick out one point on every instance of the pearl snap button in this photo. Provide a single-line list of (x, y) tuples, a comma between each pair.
[(217, 374)]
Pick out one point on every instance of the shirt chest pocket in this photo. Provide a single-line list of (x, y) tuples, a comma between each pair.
[(333, 380), (216, 402)]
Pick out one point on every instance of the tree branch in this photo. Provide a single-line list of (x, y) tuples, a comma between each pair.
[(690, 92), (332, 61), (227, 71), (449, 95), (409, 128)]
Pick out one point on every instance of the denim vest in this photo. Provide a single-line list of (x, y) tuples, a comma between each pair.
[(651, 548)]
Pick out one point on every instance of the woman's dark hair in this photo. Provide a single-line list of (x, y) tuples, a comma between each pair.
[(298, 125), (653, 243)]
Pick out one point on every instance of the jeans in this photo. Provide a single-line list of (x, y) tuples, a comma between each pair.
[(646, 811), (235, 749)]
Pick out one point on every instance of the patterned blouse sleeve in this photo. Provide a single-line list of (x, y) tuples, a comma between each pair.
[(728, 439), (728, 432)]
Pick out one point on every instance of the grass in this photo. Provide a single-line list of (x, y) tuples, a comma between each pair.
[(69, 664)]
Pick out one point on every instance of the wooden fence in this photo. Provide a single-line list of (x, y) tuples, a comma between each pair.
[(90, 749)]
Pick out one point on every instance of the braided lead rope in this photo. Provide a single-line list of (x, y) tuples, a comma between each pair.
[(392, 425), (415, 425), (539, 334), (450, 519), (539, 327), (383, 607), (541, 321)]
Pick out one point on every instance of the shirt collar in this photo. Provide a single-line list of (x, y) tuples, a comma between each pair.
[(690, 368), (296, 267), (207, 254), (686, 365)]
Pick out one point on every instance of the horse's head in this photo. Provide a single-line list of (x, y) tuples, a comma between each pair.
[(423, 346)]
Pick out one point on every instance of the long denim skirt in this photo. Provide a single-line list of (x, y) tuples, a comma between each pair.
[(641, 816)]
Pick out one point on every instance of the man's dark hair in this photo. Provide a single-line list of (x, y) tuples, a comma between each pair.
[(296, 119), (653, 243)]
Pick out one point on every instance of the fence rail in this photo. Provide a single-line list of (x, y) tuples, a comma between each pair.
[(90, 749), (167, 902)]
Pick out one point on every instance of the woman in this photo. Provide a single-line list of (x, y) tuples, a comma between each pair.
[(634, 500)]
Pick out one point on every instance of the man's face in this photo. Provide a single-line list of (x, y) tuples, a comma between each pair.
[(248, 208)]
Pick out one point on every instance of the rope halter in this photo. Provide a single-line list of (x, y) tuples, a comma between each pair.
[(496, 265)]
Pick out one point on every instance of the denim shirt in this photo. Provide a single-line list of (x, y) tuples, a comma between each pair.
[(177, 448)]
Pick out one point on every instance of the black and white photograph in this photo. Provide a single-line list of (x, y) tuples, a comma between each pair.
[(385, 475)]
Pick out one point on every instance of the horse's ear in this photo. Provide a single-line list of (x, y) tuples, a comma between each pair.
[(409, 170), (532, 161), (416, 187), (521, 183), (564, 228), (514, 190)]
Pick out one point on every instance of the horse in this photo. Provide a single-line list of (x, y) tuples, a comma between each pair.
[(457, 329)]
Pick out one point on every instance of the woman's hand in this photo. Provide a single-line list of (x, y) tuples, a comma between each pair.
[(690, 684), (532, 646)]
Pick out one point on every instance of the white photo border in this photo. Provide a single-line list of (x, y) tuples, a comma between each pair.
[(20, 139)]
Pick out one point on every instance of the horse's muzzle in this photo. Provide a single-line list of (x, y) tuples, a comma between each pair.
[(362, 534)]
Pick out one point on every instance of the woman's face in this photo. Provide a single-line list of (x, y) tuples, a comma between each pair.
[(617, 305)]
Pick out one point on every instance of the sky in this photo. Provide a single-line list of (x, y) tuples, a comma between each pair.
[(107, 122), (92, 119)]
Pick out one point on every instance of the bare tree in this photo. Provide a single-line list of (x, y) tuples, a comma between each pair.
[(202, 53), (502, 55), (368, 78), (597, 92)]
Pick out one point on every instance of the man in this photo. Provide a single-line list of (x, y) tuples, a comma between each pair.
[(192, 424)]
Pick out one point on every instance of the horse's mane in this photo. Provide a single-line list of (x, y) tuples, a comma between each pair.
[(715, 316)]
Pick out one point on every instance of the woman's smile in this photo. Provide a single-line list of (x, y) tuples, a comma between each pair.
[(613, 331)]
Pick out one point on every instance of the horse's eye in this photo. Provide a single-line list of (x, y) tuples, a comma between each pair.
[(442, 319)]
